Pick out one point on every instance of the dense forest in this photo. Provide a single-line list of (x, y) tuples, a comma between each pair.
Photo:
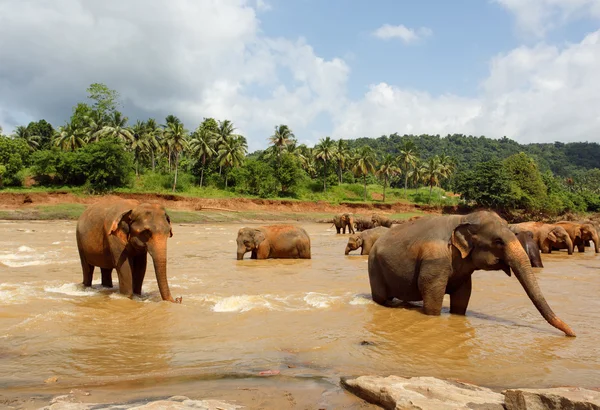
[(98, 150)]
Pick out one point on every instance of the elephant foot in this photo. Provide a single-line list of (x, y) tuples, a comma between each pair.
[(178, 300)]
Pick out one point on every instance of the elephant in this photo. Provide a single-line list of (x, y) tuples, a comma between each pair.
[(364, 240), (363, 225), (119, 234), (527, 240), (341, 221), (547, 236), (430, 257), (581, 233), (274, 241), (381, 220)]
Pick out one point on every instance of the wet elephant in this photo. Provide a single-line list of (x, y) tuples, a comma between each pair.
[(527, 240), (430, 257), (343, 221), (364, 240), (363, 225), (581, 233), (274, 241), (547, 236), (119, 234), (381, 220)]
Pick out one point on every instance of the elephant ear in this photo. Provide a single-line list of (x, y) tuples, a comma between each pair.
[(125, 217), (552, 236), (462, 239), (258, 236), (170, 227)]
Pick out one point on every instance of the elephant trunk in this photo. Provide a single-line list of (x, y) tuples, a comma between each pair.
[(569, 243), (595, 241), (520, 265), (240, 253), (347, 250), (158, 251)]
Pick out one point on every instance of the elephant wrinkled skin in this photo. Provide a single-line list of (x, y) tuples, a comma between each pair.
[(364, 240), (547, 236), (119, 234), (581, 233), (430, 257), (274, 241), (343, 221)]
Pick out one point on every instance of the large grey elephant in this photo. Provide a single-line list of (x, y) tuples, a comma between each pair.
[(430, 257), (381, 220), (343, 221), (119, 234), (580, 233), (364, 240), (274, 241), (547, 236)]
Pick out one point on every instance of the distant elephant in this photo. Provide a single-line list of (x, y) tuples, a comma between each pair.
[(365, 240), (431, 257), (363, 224), (580, 233), (343, 221), (547, 236), (381, 220), (273, 241), (528, 242), (119, 234)]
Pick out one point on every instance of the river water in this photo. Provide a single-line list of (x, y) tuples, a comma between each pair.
[(311, 320)]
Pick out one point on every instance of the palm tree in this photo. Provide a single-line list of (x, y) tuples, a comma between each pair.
[(364, 165), (21, 132), (117, 128), (407, 161), (387, 169), (94, 125), (69, 138), (447, 165), (281, 139), (152, 136), (138, 143), (342, 155), (432, 173), (224, 131), (416, 175), (202, 145), (325, 151), (232, 152), (176, 137)]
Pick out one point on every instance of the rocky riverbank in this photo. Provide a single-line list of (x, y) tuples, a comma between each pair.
[(429, 393)]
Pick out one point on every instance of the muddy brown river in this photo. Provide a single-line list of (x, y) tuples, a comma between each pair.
[(311, 320)]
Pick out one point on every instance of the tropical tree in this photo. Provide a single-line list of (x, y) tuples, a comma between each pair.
[(202, 145), (232, 152), (224, 131), (176, 137), (33, 141), (152, 136), (387, 169), (342, 155), (325, 151), (117, 128), (281, 139), (69, 137), (139, 143), (364, 164), (407, 161), (416, 175), (432, 173), (95, 122)]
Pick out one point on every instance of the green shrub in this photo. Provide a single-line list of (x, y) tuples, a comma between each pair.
[(106, 164)]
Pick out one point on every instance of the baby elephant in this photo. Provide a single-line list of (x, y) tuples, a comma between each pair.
[(381, 220), (273, 241), (363, 224), (365, 240)]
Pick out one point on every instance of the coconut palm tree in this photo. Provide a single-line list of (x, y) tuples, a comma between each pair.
[(176, 136), (117, 128), (224, 131), (432, 173), (232, 152), (407, 161), (21, 132), (325, 151), (202, 145), (153, 136), (364, 164), (94, 127), (139, 143), (342, 155), (416, 175), (281, 139), (387, 169), (69, 138)]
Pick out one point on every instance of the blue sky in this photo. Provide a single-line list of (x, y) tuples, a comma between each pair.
[(521, 68)]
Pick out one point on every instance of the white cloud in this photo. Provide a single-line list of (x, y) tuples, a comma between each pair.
[(532, 94), (408, 35), (540, 16)]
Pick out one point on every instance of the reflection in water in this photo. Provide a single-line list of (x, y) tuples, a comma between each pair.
[(305, 318)]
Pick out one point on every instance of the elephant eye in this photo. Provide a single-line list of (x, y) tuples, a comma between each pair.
[(499, 242)]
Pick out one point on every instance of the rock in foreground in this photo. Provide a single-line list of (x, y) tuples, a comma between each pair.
[(427, 393), (66, 402), (569, 398)]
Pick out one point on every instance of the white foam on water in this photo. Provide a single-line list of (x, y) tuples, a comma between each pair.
[(320, 300), (361, 300), (24, 248), (56, 243), (72, 289), (242, 303), (16, 293)]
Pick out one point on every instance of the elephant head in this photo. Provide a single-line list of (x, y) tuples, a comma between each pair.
[(558, 234), (354, 242), (248, 240), (148, 227), (486, 242), (590, 233)]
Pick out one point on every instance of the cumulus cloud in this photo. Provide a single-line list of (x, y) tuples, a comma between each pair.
[(537, 17), (407, 35)]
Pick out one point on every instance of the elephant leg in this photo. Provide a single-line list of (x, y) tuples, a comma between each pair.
[(432, 283), (366, 248), (122, 263), (253, 254), (338, 229), (138, 272), (107, 277), (262, 252), (581, 247), (88, 273), (459, 299), (379, 291), (303, 250)]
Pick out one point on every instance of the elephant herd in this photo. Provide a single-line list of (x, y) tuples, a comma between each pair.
[(421, 259)]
